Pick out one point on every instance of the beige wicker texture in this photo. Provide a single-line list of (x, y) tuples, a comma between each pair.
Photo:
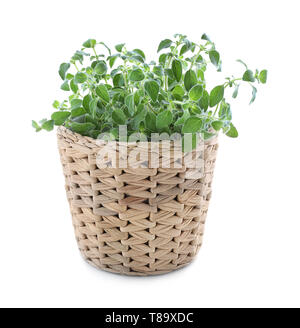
[(141, 221)]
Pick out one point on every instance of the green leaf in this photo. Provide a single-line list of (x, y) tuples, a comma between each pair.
[(129, 102), (78, 112), (241, 62), (162, 59), (204, 101), (152, 89), (102, 92), (63, 70), (56, 104), (196, 92), (118, 80), (48, 125), (139, 52), (137, 57), (101, 68), (93, 107), (79, 56), (118, 116), (254, 91), (200, 74), (139, 117), (65, 86), (236, 91), (158, 70), (150, 121), (86, 102), (182, 118), (216, 95), (112, 60), (192, 125), (205, 37), (199, 59), (136, 75), (263, 76), (36, 126), (217, 125), (76, 103), (169, 73), (214, 57), (69, 76), (82, 128), (80, 77), (178, 92), (232, 132), (248, 76), (164, 119), (60, 117), (107, 48), (177, 69), (90, 43), (225, 111), (185, 48), (119, 47), (73, 86), (164, 44), (190, 79), (137, 96)]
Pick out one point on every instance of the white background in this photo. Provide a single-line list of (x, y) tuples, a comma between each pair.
[(250, 255)]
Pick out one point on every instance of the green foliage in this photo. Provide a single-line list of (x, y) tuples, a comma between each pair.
[(248, 76), (196, 92), (90, 43), (63, 68), (192, 125), (80, 77), (48, 125), (177, 69), (108, 88), (214, 57), (163, 120), (136, 75), (190, 79), (118, 116), (152, 89), (263, 76), (60, 117), (102, 93), (232, 132), (164, 44), (216, 95)]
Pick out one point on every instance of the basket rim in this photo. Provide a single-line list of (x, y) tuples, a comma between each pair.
[(63, 129)]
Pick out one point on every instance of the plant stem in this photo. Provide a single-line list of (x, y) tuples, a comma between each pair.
[(125, 74), (216, 110), (167, 66), (76, 67), (195, 57), (151, 107), (226, 84), (95, 53)]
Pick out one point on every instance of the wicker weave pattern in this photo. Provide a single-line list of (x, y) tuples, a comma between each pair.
[(134, 221)]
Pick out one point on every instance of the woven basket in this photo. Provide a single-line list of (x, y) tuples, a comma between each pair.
[(140, 221)]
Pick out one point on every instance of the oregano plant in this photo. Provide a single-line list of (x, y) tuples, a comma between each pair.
[(109, 88)]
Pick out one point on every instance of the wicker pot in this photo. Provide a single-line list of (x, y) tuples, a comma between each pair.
[(143, 221)]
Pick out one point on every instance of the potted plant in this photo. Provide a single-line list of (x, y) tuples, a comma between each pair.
[(146, 218)]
